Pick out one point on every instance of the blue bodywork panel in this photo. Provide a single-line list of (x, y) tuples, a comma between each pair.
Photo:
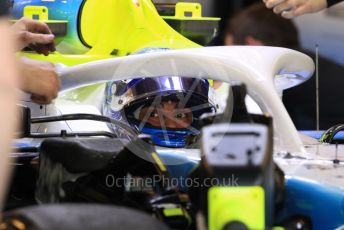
[(317, 134), (323, 204)]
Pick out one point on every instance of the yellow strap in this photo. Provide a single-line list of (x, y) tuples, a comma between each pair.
[(159, 162)]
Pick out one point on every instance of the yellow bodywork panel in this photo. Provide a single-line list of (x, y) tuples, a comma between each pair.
[(236, 204), (128, 27), (41, 12), (113, 28)]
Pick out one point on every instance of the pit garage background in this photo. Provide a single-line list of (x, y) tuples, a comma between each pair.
[(325, 29)]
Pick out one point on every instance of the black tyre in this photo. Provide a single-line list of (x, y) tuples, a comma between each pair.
[(79, 216)]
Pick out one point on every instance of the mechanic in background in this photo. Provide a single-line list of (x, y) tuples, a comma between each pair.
[(257, 25), (293, 8)]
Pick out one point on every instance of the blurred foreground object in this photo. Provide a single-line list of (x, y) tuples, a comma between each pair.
[(8, 82)]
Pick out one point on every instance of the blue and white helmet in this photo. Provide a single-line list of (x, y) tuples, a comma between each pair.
[(149, 104)]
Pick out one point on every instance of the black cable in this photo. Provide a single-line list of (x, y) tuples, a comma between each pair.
[(79, 134), (25, 149)]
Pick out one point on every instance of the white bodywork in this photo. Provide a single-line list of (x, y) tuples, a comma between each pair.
[(266, 71)]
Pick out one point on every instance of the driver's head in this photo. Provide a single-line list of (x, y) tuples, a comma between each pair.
[(167, 108)]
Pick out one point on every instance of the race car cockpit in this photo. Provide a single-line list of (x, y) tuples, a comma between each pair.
[(145, 95)]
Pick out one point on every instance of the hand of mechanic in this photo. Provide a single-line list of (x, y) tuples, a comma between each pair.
[(293, 8), (35, 35), (39, 79)]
